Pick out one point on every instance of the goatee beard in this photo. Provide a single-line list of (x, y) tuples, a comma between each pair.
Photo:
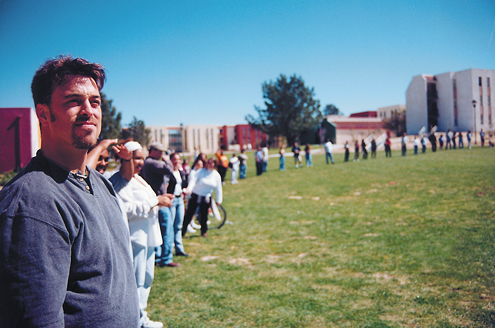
[(80, 143)]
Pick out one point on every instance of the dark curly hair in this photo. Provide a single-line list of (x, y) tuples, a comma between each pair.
[(55, 72)]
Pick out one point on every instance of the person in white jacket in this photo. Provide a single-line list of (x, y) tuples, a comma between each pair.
[(202, 186), (141, 206)]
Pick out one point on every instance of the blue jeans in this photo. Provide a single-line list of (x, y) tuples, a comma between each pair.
[(177, 211), (144, 270), (265, 165), (282, 163), (242, 172), (309, 160), (164, 252), (329, 155)]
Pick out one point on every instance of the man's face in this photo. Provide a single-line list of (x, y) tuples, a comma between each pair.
[(156, 154), (138, 158), (175, 161), (102, 163), (74, 115)]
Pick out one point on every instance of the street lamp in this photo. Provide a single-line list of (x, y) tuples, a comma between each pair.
[(474, 111)]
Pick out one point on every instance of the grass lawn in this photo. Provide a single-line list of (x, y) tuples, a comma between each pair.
[(385, 242)]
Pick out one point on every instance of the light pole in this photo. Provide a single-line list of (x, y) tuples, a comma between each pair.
[(474, 111)]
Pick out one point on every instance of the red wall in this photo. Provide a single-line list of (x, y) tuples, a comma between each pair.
[(15, 138)]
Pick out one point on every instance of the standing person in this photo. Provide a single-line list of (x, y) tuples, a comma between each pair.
[(433, 141), (307, 154), (157, 172), (222, 165), (281, 152), (441, 141), (243, 158), (424, 140), (404, 140), (482, 137), (356, 151), (201, 189), (346, 147), (448, 144), (373, 148), (363, 147), (265, 157), (469, 137), (461, 141), (388, 147), (453, 139), (64, 246), (141, 206), (176, 183), (198, 164), (328, 151), (259, 157), (234, 164), (416, 145), (186, 167), (296, 151)]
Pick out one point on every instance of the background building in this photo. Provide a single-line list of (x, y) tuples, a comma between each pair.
[(446, 101), (358, 126), (389, 111), (20, 135)]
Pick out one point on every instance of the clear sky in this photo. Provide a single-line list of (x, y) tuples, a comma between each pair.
[(204, 61)]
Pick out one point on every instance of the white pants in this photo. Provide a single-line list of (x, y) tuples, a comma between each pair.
[(144, 270)]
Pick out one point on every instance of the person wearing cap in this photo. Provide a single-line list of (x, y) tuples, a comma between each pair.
[(157, 170), (141, 205)]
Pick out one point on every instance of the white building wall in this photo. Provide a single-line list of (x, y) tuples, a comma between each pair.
[(468, 89), (159, 134), (445, 101), (389, 111), (416, 105), (203, 138)]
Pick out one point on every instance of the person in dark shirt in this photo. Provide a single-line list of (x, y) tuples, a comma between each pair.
[(64, 245), (157, 171)]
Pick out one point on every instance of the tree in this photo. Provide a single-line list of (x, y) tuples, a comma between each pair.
[(290, 109), (397, 123), (137, 131), (331, 110), (110, 119)]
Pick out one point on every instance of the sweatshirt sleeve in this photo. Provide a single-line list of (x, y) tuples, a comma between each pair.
[(136, 209), (218, 189)]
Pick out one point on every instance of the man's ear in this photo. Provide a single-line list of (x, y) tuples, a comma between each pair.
[(43, 113)]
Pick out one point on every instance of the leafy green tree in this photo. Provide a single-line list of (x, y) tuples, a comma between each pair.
[(331, 110), (137, 131), (110, 119), (290, 109)]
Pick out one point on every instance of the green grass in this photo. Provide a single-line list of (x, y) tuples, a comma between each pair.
[(385, 242)]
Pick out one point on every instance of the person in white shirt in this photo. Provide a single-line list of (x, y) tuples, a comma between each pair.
[(234, 164), (328, 151), (141, 205), (202, 186), (416, 145)]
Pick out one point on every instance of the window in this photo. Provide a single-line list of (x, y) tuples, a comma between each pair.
[(488, 82), (480, 81)]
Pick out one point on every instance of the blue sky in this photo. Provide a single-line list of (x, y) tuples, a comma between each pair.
[(203, 62)]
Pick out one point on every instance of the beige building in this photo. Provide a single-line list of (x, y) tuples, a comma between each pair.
[(187, 139), (389, 111)]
